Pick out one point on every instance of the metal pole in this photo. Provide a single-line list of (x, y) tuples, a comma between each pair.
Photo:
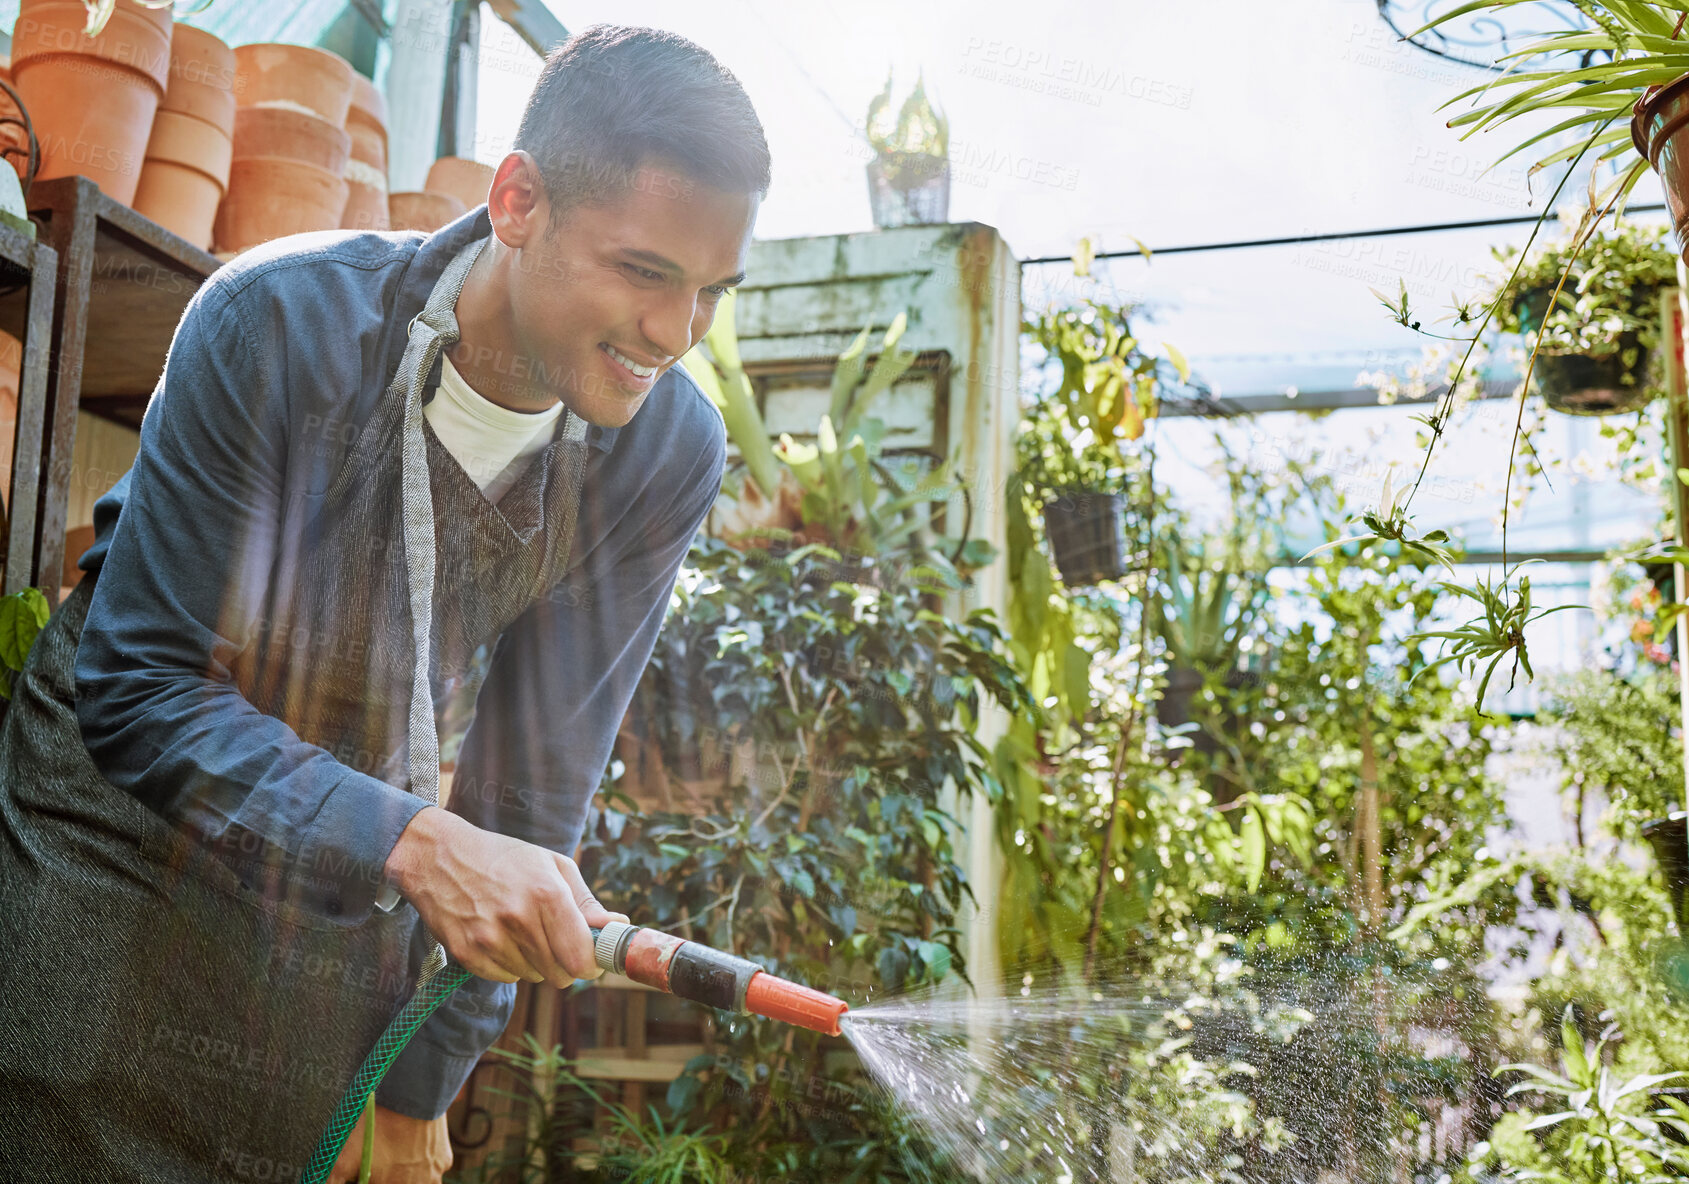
[(1674, 319), (416, 82)]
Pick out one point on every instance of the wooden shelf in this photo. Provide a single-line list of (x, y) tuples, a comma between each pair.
[(123, 281), (29, 278), (661, 1063)]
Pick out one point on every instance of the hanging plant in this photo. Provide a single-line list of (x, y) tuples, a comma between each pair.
[(1599, 338), (1072, 440)]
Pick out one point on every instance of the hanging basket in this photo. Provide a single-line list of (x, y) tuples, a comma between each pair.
[(908, 189), (1088, 536), (1579, 384)]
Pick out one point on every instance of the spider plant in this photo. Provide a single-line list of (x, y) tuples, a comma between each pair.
[(1593, 99), (1593, 1133), (1492, 635)]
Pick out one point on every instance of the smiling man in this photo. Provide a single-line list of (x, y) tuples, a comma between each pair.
[(380, 474)]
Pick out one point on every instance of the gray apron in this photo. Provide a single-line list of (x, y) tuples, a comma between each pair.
[(173, 1009)]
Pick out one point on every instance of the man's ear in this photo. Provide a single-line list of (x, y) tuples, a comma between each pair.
[(517, 202)]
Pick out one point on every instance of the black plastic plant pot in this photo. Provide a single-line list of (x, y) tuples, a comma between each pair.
[(1174, 710), (1669, 837), (1579, 384), (1088, 536)]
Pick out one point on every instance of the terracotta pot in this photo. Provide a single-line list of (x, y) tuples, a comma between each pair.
[(202, 78), (14, 142), (183, 200), (186, 172), (369, 144), (466, 180), (269, 197), (182, 139), (291, 135), (1659, 127), (423, 211), (366, 207), (11, 365), (309, 78), (92, 119), (92, 99), (367, 113), (135, 37)]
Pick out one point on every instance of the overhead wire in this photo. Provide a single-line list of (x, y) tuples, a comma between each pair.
[(1331, 236)]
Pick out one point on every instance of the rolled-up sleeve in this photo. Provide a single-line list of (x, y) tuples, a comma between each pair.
[(560, 680), (179, 595)]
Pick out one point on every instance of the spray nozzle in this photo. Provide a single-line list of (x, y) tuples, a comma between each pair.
[(688, 970)]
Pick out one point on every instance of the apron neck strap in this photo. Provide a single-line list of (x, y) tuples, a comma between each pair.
[(431, 330)]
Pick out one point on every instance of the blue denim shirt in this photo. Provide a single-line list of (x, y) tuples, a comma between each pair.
[(276, 365)]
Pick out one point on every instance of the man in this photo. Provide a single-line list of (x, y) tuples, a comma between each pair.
[(379, 472)]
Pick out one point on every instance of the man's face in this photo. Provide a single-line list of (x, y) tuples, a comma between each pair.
[(607, 297)]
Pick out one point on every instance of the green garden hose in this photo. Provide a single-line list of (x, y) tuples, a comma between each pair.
[(439, 979), (658, 960)]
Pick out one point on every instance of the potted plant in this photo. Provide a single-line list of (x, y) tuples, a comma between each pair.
[(844, 490), (909, 176), (1599, 342), (1203, 611), (1101, 390)]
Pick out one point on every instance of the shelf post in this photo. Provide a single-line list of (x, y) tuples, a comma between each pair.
[(1674, 321)]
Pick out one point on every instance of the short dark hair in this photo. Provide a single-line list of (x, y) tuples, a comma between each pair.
[(612, 97)]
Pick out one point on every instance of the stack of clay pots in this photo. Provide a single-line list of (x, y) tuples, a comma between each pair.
[(366, 171), (92, 99), (454, 186), (290, 144), (188, 156)]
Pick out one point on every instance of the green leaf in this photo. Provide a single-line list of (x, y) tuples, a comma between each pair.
[(1178, 360), (937, 957), (1254, 848), (1572, 1051), (893, 965), (22, 617)]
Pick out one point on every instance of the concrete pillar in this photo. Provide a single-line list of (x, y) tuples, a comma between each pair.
[(960, 285)]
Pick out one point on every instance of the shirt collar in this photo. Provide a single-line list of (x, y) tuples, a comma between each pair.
[(437, 250)]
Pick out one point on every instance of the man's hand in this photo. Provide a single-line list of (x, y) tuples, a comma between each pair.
[(407, 1150), (505, 909)]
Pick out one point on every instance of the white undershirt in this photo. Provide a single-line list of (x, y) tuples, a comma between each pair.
[(492, 443)]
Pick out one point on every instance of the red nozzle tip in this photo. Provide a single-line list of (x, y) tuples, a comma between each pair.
[(792, 1003)]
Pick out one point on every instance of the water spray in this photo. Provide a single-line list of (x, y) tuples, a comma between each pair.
[(673, 965)]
